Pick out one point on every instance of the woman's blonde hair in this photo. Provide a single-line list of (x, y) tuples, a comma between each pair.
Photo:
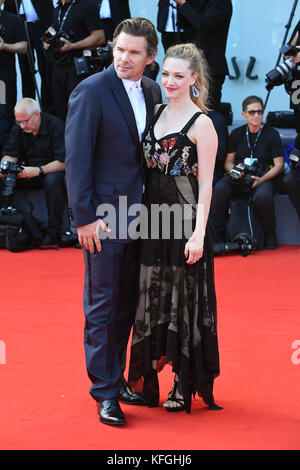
[(197, 64)]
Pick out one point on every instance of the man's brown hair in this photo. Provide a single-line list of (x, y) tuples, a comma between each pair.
[(250, 100), (139, 27)]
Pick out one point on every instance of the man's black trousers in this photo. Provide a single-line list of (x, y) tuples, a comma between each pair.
[(55, 194), (262, 197), (64, 80)]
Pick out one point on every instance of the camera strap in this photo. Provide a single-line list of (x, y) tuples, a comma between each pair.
[(61, 21), (256, 140)]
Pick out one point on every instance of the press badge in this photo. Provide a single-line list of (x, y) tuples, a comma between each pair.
[(249, 161)]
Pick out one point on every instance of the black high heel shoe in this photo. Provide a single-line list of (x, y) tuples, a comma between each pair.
[(172, 397)]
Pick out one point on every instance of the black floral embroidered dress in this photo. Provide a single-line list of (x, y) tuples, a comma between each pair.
[(176, 315)]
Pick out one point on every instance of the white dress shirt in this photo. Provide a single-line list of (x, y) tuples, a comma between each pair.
[(170, 23), (137, 100), (105, 9), (31, 14)]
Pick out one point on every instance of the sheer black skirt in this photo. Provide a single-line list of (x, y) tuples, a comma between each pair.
[(176, 319)]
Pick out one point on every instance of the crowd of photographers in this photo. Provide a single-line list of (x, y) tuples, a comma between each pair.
[(70, 42)]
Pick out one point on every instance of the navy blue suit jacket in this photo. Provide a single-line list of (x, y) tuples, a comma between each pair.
[(103, 153)]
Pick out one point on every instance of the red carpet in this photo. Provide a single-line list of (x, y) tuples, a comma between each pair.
[(44, 399)]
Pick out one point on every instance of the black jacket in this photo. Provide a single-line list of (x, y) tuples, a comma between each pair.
[(205, 22), (43, 8), (119, 11), (210, 20), (162, 16)]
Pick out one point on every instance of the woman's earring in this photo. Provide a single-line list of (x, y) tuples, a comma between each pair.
[(195, 91)]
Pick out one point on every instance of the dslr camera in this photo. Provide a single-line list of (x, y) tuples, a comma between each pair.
[(295, 159), (282, 73), (11, 170), (241, 173), (93, 60), (53, 38), (242, 244)]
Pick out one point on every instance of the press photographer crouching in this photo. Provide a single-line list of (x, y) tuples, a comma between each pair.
[(292, 179), (76, 26), (254, 160), (33, 158)]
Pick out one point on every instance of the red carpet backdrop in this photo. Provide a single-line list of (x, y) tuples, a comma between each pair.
[(44, 399)]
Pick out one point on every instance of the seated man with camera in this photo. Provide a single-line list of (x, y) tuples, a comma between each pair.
[(254, 160), (33, 158), (291, 179), (76, 26)]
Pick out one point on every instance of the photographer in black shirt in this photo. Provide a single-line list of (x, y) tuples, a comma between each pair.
[(254, 160), (80, 25), (12, 41), (36, 142)]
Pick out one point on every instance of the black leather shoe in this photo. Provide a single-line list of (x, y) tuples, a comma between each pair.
[(109, 412), (128, 396)]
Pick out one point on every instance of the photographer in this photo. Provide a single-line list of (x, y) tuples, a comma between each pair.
[(292, 179), (12, 41), (112, 12), (295, 76), (207, 25), (253, 161), (79, 28), (37, 16), (36, 142)]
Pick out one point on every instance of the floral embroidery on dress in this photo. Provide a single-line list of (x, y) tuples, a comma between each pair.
[(161, 156)]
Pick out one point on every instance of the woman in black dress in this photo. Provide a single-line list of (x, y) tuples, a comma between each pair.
[(176, 316)]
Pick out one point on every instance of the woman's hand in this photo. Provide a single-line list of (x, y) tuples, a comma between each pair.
[(194, 249)]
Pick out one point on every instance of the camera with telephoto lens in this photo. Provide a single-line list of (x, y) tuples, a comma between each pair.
[(295, 159), (295, 155), (242, 244), (282, 73), (242, 173), (93, 60), (53, 38), (11, 170), (2, 30)]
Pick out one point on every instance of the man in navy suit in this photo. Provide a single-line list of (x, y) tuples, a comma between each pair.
[(109, 113)]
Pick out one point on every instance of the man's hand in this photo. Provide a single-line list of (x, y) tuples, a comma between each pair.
[(68, 46), (29, 172), (296, 58), (88, 235), (2, 44), (180, 2), (257, 181)]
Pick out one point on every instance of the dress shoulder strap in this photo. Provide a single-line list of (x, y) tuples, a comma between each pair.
[(190, 123), (158, 113)]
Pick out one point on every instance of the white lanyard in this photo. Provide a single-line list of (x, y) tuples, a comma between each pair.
[(62, 22)]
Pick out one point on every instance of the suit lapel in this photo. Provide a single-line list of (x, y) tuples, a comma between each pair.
[(124, 104)]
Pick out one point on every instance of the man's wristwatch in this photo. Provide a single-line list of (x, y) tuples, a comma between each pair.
[(41, 171)]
